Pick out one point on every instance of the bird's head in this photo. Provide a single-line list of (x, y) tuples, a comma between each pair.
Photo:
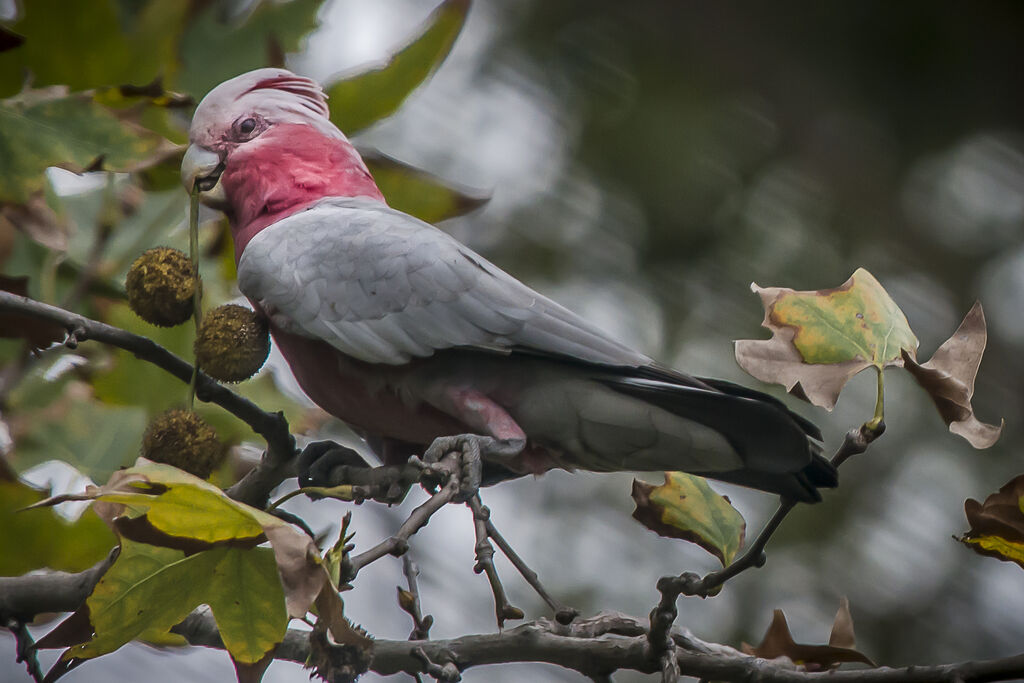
[(262, 146)]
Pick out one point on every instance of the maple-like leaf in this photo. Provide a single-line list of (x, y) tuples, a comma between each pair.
[(820, 339)]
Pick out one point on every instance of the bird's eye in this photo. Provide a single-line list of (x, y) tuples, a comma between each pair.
[(247, 126)]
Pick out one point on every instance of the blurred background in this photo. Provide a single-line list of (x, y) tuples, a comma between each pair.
[(647, 162)]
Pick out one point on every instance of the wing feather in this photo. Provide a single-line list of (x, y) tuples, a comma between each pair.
[(384, 287)]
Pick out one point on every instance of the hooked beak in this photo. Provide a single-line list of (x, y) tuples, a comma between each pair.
[(202, 167)]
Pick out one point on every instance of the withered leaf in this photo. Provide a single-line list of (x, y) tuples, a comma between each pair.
[(997, 525), (778, 642), (686, 507), (949, 379), (820, 339)]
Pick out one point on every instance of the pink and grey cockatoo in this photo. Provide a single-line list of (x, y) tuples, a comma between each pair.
[(408, 336)]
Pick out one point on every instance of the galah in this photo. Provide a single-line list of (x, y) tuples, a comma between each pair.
[(408, 336)]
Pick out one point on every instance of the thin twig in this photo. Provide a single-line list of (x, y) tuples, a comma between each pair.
[(503, 610), (689, 583), (421, 624), (563, 613), (276, 464), (855, 442), (398, 543)]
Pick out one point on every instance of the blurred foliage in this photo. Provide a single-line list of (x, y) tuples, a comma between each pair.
[(112, 86), (678, 152), (43, 538), (391, 83)]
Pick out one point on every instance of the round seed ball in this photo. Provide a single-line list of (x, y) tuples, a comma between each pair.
[(232, 343), (161, 285), (183, 439)]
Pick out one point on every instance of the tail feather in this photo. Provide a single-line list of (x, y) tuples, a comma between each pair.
[(779, 449)]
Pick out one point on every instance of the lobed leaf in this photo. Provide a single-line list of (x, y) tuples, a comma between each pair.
[(150, 589), (820, 339), (154, 497), (372, 94), (686, 507)]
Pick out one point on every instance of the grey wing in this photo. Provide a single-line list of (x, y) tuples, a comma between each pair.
[(384, 287)]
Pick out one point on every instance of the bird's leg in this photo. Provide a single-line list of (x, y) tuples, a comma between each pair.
[(499, 437)]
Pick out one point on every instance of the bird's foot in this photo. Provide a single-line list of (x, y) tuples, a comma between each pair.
[(326, 463), (472, 449)]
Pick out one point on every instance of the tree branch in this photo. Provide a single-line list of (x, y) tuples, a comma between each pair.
[(276, 465), (595, 647)]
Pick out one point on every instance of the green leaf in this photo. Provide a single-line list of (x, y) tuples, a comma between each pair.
[(150, 589), (148, 503), (90, 43), (215, 49), (686, 507), (39, 129), (368, 96), (34, 539), (823, 338), (419, 193)]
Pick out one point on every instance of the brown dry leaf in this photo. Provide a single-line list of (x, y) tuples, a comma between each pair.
[(949, 379), (842, 627), (822, 338), (997, 525), (778, 642)]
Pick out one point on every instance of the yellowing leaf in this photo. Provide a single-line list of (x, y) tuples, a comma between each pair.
[(997, 525), (155, 496), (39, 129), (949, 379), (150, 588), (823, 338), (686, 507), (370, 95), (417, 192)]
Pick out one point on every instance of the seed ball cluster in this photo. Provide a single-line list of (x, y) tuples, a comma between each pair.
[(161, 285), (183, 439), (232, 343)]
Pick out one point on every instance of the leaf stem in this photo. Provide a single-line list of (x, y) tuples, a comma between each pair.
[(879, 416), (197, 298)]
